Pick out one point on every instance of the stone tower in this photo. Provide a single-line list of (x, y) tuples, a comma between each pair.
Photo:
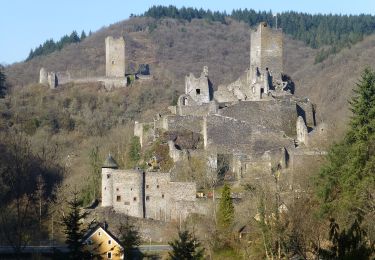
[(266, 51), (115, 57), (108, 167), (198, 88)]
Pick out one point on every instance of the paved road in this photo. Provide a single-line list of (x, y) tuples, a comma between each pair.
[(49, 249), (156, 248)]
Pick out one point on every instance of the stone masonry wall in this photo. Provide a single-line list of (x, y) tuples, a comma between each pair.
[(128, 192), (190, 123), (274, 114), (199, 110), (198, 88)]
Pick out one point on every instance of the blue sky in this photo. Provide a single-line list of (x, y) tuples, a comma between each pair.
[(24, 24)]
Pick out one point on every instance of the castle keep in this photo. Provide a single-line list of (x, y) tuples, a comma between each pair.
[(114, 57), (255, 123)]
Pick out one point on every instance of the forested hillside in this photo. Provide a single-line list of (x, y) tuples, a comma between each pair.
[(334, 31)]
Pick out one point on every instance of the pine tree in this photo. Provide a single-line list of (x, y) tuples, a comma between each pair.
[(135, 149), (83, 35), (226, 209), (346, 183), (363, 108), (2, 82), (186, 247), (73, 228), (129, 238)]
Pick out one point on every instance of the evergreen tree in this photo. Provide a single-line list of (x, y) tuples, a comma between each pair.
[(226, 209), (346, 184), (363, 108), (185, 247), (83, 35), (2, 82), (73, 229), (129, 238), (135, 149), (74, 37)]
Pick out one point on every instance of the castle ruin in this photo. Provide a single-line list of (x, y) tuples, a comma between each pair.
[(255, 123), (115, 69), (147, 194)]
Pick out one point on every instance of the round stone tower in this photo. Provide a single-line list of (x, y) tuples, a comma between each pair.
[(43, 77), (108, 167)]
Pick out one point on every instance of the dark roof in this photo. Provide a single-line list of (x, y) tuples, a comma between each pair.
[(104, 226), (110, 163)]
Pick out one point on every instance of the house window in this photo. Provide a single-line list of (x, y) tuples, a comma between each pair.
[(109, 242), (117, 189), (147, 186), (198, 91), (135, 199), (157, 186), (118, 198), (108, 175), (147, 197), (113, 62), (162, 196), (109, 255), (99, 234)]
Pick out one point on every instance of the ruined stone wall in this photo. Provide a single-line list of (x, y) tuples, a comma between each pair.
[(63, 77), (43, 76), (199, 110), (302, 133), (318, 136), (224, 133), (279, 115), (174, 153), (182, 200), (198, 88), (115, 57), (166, 200), (52, 80), (306, 111), (144, 131), (256, 167), (190, 123)]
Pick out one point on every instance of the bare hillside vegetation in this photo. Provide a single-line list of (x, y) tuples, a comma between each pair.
[(84, 116)]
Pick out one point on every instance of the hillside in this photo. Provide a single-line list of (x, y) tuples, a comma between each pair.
[(77, 125), (175, 48)]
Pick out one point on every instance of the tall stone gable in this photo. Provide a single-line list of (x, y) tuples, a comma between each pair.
[(266, 50), (115, 57)]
